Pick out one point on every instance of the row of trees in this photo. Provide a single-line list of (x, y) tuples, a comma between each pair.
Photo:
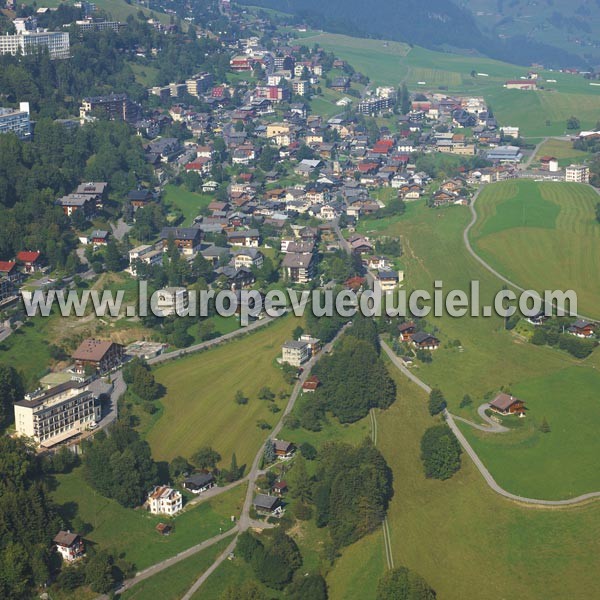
[(551, 333)]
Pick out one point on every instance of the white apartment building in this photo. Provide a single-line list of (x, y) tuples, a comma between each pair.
[(295, 352), (169, 301), (146, 254), (164, 500), (29, 42), (54, 415), (16, 120), (577, 173)]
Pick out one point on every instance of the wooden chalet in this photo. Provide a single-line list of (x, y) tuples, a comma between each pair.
[(506, 404)]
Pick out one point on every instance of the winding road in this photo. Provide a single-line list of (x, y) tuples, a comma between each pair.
[(487, 476), (487, 266)]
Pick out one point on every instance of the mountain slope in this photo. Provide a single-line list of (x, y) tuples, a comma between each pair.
[(435, 24)]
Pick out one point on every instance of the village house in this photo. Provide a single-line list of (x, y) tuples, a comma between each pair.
[(199, 482), (267, 505), (424, 341), (388, 280), (249, 238), (169, 301), (284, 450), (139, 198), (506, 404), (30, 261), (299, 268), (406, 331), (311, 384), (249, 258), (582, 329), (69, 545), (144, 254), (99, 237), (187, 239), (279, 488), (97, 355), (164, 500)]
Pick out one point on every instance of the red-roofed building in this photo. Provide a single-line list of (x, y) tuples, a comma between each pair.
[(311, 384), (8, 269), (200, 165), (30, 261)]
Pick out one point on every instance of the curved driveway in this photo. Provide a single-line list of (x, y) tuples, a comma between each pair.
[(473, 455), (491, 427)]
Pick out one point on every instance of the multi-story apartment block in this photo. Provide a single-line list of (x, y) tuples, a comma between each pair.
[(30, 42), (295, 352), (16, 121), (54, 415), (577, 173), (199, 84), (91, 25), (164, 500), (115, 107)]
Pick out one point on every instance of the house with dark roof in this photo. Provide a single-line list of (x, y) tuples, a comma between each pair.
[(506, 404), (425, 341), (582, 328), (69, 545), (187, 239), (98, 355), (267, 505), (199, 482)]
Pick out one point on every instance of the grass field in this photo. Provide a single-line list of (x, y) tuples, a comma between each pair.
[(389, 63), (467, 541), (551, 464), (563, 151), (131, 532), (199, 407), (188, 202), (542, 236), (492, 357), (173, 582)]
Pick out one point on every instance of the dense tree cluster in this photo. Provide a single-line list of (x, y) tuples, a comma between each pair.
[(440, 452), (28, 520), (140, 379), (403, 584), (349, 393), (11, 390), (274, 558), (34, 174), (120, 466), (351, 491)]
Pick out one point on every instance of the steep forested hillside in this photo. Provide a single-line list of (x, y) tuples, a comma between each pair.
[(437, 24)]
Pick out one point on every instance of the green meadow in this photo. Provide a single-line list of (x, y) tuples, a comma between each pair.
[(542, 236), (538, 113), (199, 408), (131, 532), (491, 357)]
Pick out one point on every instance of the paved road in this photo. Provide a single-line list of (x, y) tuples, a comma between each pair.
[(210, 343), (245, 521), (169, 562), (120, 229), (488, 266), (473, 455), (524, 166), (492, 427)]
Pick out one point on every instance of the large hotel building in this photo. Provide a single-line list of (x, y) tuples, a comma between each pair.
[(29, 42), (57, 414)]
